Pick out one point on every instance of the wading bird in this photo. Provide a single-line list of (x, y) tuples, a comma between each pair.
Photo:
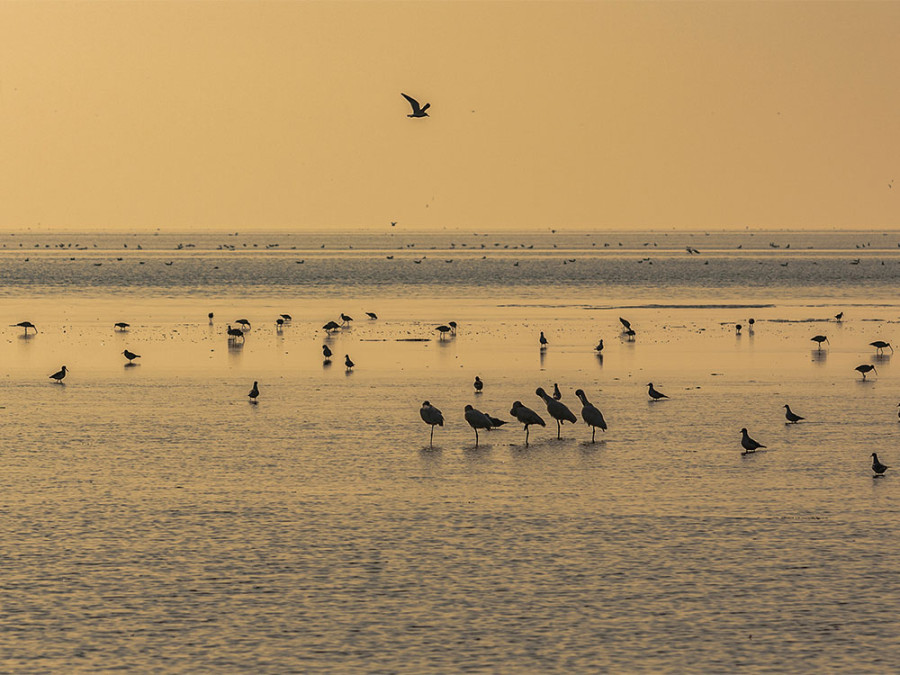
[(331, 326), (245, 325), (131, 356), (326, 352), (372, 315), (543, 341), (26, 325), (234, 333), (557, 410), (655, 395), (877, 466), (599, 347), (748, 443), (865, 368), (526, 416), (122, 326), (477, 420), (625, 323), (345, 319), (254, 393), (880, 346), (348, 362), (287, 317), (60, 375), (819, 339), (432, 416), (790, 415), (478, 384), (590, 414)]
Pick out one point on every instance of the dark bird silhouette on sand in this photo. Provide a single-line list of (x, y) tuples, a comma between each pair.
[(877, 466), (526, 416), (748, 443), (60, 375), (26, 325), (131, 356), (417, 110), (254, 393)]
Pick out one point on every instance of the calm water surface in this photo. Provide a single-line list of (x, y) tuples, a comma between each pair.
[(153, 519)]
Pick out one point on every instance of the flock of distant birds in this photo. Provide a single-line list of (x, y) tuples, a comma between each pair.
[(477, 419)]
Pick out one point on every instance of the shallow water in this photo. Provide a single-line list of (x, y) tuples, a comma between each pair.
[(154, 519)]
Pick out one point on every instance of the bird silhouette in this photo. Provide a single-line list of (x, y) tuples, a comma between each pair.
[(348, 362), (131, 356), (371, 315), (865, 368), (478, 384), (526, 416), (122, 326), (880, 346), (748, 443), (26, 325), (543, 340), (477, 420), (557, 410), (839, 317), (590, 414), (254, 393), (819, 339), (557, 394), (599, 347), (417, 110), (433, 416), (625, 322), (790, 415), (234, 333), (655, 395), (877, 466), (346, 319), (287, 317), (326, 352), (60, 375), (245, 325)]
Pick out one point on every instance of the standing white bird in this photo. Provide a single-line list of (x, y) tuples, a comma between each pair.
[(590, 414), (526, 416), (433, 416), (417, 110), (477, 420), (557, 410), (790, 415), (254, 393), (748, 443), (877, 466), (654, 394), (60, 375)]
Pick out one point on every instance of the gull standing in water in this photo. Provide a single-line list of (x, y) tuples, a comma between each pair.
[(655, 395), (748, 443), (479, 385), (590, 414), (254, 393), (131, 356), (477, 420), (60, 375), (557, 410), (526, 416), (865, 368), (878, 467), (433, 416), (790, 415), (819, 339)]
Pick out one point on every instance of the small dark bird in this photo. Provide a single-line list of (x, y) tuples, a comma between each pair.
[(557, 394), (122, 326), (279, 323), (345, 318), (234, 333), (789, 414), (751, 321), (590, 414), (737, 328), (558, 411), (444, 330), (877, 466), (60, 375), (748, 443), (479, 385), (244, 324), (287, 317), (331, 326), (433, 416), (210, 316), (819, 339), (348, 362), (371, 315), (865, 368), (417, 111), (655, 395), (526, 416), (131, 356), (496, 421), (254, 393), (839, 316), (26, 325), (477, 420), (630, 334), (599, 347), (543, 340), (326, 352), (880, 346), (625, 323)]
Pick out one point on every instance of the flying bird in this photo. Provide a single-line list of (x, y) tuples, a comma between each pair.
[(433, 416), (790, 415), (417, 110), (748, 443)]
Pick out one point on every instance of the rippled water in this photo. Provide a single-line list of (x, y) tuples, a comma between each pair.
[(154, 519)]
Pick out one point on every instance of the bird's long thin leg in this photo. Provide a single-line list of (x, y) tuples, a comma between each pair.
[(431, 444), (558, 429), (593, 432), (526, 435)]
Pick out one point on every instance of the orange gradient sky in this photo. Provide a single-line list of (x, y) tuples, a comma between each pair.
[(578, 115)]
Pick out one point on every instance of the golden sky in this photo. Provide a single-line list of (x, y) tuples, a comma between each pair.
[(576, 115)]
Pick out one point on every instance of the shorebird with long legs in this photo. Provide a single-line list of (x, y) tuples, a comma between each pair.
[(234, 333), (865, 369), (60, 375), (819, 339), (477, 420), (526, 416), (880, 346), (432, 416), (557, 410), (26, 325), (590, 414)]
